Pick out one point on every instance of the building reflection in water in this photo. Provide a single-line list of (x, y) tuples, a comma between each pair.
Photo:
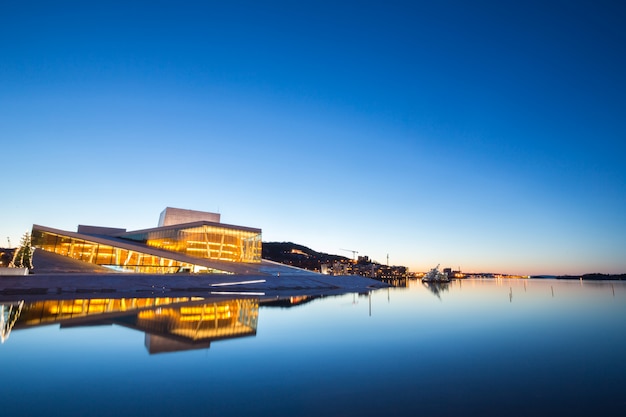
[(395, 282), (170, 323), (292, 301)]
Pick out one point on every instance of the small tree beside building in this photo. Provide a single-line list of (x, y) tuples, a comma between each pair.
[(23, 255)]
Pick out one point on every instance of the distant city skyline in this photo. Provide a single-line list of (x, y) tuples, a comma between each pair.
[(486, 135)]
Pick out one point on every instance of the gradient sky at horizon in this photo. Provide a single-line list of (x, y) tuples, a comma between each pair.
[(484, 135)]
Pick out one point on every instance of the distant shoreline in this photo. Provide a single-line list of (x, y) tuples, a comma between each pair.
[(585, 277)]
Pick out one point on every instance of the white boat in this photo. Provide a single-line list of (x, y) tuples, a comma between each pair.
[(435, 275)]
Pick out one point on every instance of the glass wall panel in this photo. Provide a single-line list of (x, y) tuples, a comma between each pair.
[(89, 252), (119, 256), (105, 255), (116, 258), (208, 242), (63, 245), (43, 240), (76, 246), (132, 259)]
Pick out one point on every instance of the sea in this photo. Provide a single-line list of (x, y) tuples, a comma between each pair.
[(479, 347)]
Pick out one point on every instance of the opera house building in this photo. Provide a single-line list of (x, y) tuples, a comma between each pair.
[(184, 241)]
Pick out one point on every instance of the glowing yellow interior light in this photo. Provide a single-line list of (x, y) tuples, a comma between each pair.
[(191, 318)]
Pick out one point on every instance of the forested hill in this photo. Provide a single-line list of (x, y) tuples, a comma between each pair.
[(595, 277), (297, 255)]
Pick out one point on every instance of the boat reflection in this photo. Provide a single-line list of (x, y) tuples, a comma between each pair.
[(170, 323), (437, 287)]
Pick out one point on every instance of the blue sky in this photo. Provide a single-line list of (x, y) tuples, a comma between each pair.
[(487, 135)]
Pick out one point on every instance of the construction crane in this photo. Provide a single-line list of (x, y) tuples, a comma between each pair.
[(354, 253)]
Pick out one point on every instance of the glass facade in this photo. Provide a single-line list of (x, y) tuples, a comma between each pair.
[(111, 256), (208, 241)]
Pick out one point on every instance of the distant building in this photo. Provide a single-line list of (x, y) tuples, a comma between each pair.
[(171, 216), (184, 241), (340, 268)]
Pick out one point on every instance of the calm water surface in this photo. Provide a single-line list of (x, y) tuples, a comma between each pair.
[(476, 347)]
